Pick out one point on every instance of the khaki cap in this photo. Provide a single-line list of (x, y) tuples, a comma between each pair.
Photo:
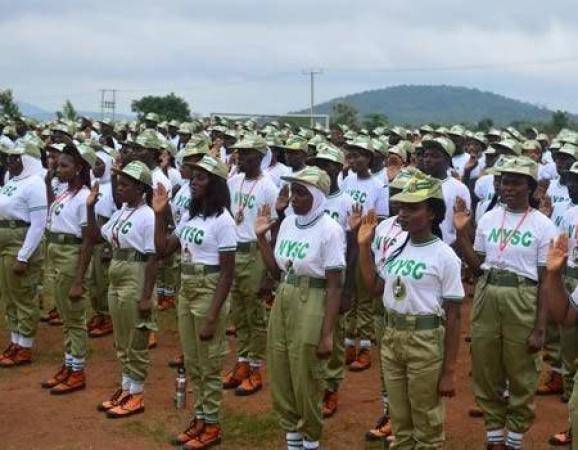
[(569, 149), (62, 127), (362, 142), (542, 137), (148, 139), (25, 148), (153, 117), (441, 143), (510, 145), (296, 143), (419, 188), (174, 123), (87, 154), (399, 150), (380, 147), (251, 142), (494, 132), (186, 128), (574, 168), (212, 165), (426, 129), (401, 179), (515, 133), (457, 130), (480, 137), (329, 152), (531, 144), (520, 165), (137, 170), (274, 140), (312, 176), (196, 147), (316, 140), (399, 131)]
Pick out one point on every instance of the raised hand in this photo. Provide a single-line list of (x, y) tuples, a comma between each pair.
[(263, 222), (160, 199), (94, 195), (367, 228), (354, 219), (557, 254), (546, 207), (283, 199), (462, 215)]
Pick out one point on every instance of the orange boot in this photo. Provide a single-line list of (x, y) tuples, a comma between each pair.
[(363, 361), (130, 405), (253, 383), (553, 385), (113, 401), (235, 377), (58, 378), (382, 430), (103, 328), (76, 381), (152, 340), (9, 352), (329, 406), (195, 429), (209, 437), (20, 357)]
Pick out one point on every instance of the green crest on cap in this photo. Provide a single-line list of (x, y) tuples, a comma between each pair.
[(402, 178), (362, 142), (457, 130), (569, 149), (296, 143), (531, 144), (137, 170), (480, 137), (186, 128), (149, 139), (153, 117), (251, 141), (399, 131), (419, 188), (519, 165), (509, 145), (312, 176), (441, 143), (24, 148), (329, 152), (213, 166), (194, 147), (87, 154)]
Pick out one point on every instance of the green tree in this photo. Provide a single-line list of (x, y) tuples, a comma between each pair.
[(560, 119), (485, 124), (68, 112), (343, 113), (168, 107), (375, 120), (7, 104)]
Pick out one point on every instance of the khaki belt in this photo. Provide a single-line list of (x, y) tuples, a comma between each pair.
[(508, 279), (296, 280), (128, 255), (246, 247), (13, 224), (572, 272), (62, 238), (411, 322), (199, 269)]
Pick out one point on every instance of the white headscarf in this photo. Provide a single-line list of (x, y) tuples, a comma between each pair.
[(317, 207), (107, 160), (30, 166)]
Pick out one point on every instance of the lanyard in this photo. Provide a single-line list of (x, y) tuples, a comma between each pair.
[(505, 241), (61, 199), (390, 241), (239, 215), (119, 223)]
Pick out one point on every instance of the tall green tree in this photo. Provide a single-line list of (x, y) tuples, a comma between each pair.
[(485, 124), (68, 112), (168, 107), (375, 120), (7, 104), (560, 119), (343, 113)]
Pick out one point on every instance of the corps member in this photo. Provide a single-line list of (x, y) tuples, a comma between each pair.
[(250, 189), (132, 271), (309, 259), (420, 278), (22, 223), (508, 315), (67, 259), (207, 240)]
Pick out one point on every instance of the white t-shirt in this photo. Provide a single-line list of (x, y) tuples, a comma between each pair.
[(181, 203), (459, 162), (387, 237), (276, 172), (547, 171), (175, 177), (484, 187), (527, 241), (158, 176), (339, 206), (247, 196), (569, 226), (131, 228), (560, 197), (368, 192), (310, 250), (202, 239), (105, 206), (18, 198), (67, 214), (421, 277), (482, 208), (452, 189)]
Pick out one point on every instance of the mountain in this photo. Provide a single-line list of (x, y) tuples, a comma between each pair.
[(414, 105), (37, 113)]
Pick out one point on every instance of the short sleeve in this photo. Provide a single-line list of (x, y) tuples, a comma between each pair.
[(548, 235), (480, 239), (333, 253), (465, 195), (148, 234), (382, 203), (226, 233), (36, 197), (451, 279), (271, 198), (81, 209)]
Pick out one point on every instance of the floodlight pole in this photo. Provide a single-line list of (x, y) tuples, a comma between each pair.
[(312, 74)]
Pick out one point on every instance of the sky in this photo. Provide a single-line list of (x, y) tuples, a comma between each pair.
[(250, 56)]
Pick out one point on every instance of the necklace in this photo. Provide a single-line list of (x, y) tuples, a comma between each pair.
[(119, 223), (505, 240), (239, 214)]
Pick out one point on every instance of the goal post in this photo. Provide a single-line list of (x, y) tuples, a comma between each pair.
[(296, 120)]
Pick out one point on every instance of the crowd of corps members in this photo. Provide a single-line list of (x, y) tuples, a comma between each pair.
[(312, 246)]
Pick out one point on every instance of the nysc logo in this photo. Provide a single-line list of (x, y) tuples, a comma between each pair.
[(293, 249), (8, 190), (193, 235)]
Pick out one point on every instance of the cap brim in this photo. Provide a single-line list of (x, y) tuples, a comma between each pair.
[(518, 172), (408, 197), (120, 172)]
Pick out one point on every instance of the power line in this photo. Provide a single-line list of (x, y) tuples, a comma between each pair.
[(312, 73)]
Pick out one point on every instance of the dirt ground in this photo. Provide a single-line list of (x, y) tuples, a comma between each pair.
[(31, 418)]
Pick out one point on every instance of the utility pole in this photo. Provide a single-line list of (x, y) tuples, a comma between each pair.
[(108, 103), (312, 74)]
